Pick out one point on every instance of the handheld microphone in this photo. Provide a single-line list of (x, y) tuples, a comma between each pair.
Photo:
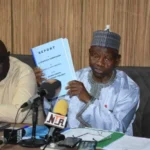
[(58, 118), (46, 89)]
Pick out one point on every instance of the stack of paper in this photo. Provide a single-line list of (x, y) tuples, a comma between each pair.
[(130, 143), (103, 137), (54, 58), (88, 134)]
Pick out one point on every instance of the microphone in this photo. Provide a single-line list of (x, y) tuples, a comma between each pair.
[(58, 118), (61, 107), (46, 89), (30, 101)]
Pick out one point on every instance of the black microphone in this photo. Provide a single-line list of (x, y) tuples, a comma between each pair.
[(33, 98), (46, 89)]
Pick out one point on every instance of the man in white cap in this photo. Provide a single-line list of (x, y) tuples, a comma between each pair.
[(103, 97)]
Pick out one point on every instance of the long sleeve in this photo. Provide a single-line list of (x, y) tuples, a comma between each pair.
[(113, 109), (17, 88), (25, 88), (118, 118)]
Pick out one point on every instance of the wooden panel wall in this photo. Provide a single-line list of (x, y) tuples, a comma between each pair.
[(39, 21), (5, 23), (129, 18), (27, 23)]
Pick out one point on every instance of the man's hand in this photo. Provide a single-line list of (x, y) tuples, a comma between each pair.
[(76, 88), (39, 75)]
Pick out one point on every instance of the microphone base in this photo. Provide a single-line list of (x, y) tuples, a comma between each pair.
[(32, 142)]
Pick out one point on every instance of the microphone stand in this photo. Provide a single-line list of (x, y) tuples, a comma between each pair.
[(53, 137), (33, 142)]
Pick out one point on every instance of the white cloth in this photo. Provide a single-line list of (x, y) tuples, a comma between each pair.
[(129, 143), (114, 109)]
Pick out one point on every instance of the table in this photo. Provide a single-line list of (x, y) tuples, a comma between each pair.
[(126, 142), (18, 147)]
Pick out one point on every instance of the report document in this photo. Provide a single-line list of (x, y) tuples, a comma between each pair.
[(54, 58)]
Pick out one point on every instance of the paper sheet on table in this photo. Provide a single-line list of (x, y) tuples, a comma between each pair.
[(87, 134), (130, 143)]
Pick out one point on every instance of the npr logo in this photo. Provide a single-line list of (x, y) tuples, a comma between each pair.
[(56, 120)]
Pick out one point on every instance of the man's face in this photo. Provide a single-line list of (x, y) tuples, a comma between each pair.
[(102, 61)]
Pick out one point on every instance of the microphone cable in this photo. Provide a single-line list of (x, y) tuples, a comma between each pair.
[(10, 135)]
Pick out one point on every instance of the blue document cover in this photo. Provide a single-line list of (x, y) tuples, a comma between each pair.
[(54, 58)]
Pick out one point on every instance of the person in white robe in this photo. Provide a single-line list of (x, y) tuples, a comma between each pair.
[(112, 108), (102, 97)]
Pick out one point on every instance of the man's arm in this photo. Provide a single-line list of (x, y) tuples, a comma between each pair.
[(26, 88), (117, 119)]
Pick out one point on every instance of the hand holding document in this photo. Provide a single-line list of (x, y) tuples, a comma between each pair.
[(54, 58)]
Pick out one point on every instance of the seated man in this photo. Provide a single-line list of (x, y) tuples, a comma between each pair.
[(103, 97), (17, 85)]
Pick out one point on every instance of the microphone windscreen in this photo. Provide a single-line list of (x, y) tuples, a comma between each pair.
[(61, 107), (51, 88)]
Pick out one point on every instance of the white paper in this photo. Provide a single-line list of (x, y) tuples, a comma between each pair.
[(87, 134), (130, 143), (66, 45), (54, 58)]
